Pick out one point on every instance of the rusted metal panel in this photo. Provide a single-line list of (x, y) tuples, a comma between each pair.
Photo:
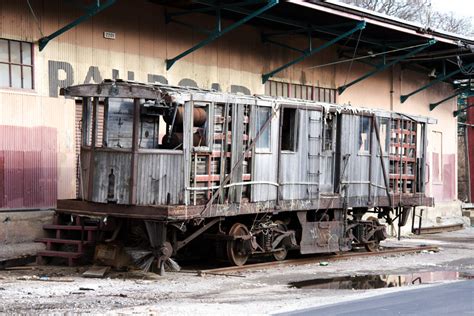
[(160, 179), (300, 169), (28, 167), (354, 176), (108, 163), (265, 168)]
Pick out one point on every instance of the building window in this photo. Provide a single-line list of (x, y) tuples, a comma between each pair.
[(299, 91), (16, 64), (262, 116), (364, 135), (289, 130)]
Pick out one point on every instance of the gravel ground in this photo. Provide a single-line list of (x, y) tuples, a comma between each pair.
[(252, 293)]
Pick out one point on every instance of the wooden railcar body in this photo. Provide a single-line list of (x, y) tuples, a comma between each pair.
[(311, 168)]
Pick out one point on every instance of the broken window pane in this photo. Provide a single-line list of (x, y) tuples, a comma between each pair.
[(328, 131), (289, 130)]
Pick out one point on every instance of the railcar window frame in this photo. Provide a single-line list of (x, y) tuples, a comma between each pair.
[(259, 122), (384, 143), (362, 126), (292, 130), (329, 117)]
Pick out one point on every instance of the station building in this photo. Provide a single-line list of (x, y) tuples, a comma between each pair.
[(315, 50)]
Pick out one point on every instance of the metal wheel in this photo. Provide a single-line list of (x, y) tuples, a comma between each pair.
[(281, 255), (373, 245), (236, 252)]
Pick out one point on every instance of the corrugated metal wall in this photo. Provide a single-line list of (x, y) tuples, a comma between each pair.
[(28, 167)]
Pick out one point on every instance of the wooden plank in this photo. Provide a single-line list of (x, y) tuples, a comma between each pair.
[(134, 160)]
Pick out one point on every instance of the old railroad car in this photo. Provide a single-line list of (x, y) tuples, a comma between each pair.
[(246, 174)]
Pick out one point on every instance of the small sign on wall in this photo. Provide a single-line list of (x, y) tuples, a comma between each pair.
[(109, 35)]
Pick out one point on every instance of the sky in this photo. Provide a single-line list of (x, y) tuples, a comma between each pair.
[(458, 7)]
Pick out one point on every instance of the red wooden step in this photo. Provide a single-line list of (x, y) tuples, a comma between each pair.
[(61, 241), (69, 227), (70, 256), (59, 254)]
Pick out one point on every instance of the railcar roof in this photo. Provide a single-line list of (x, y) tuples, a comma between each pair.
[(180, 95)]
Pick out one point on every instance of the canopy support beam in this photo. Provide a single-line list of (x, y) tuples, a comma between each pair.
[(383, 66), (311, 51), (218, 32), (94, 10)]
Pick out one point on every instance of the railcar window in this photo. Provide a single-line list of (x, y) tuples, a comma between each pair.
[(289, 130), (154, 126), (384, 135), (364, 134), (328, 132), (262, 115)]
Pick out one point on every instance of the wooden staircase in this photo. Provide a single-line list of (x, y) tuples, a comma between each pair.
[(69, 236)]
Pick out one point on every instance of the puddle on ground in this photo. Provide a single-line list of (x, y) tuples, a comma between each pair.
[(377, 281)]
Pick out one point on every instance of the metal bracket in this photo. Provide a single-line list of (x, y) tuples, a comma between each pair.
[(403, 98), (42, 42), (434, 105), (311, 51), (198, 232), (218, 32), (382, 67), (457, 112)]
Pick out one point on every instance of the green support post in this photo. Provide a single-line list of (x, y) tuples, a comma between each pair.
[(218, 33), (382, 67), (311, 51), (90, 13)]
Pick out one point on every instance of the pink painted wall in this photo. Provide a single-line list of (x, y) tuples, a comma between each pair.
[(28, 167)]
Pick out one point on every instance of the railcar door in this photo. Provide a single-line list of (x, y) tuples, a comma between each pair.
[(352, 179), (306, 164)]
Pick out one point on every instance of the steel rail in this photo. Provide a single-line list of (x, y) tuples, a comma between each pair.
[(314, 259)]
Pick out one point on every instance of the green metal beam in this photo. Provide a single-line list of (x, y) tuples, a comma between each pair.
[(434, 105), (382, 67), (403, 98), (219, 32), (90, 13), (267, 40), (311, 51), (457, 112)]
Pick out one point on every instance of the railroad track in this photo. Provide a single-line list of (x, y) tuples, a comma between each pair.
[(233, 270)]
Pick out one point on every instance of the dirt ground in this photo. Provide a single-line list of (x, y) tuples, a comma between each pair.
[(62, 290)]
